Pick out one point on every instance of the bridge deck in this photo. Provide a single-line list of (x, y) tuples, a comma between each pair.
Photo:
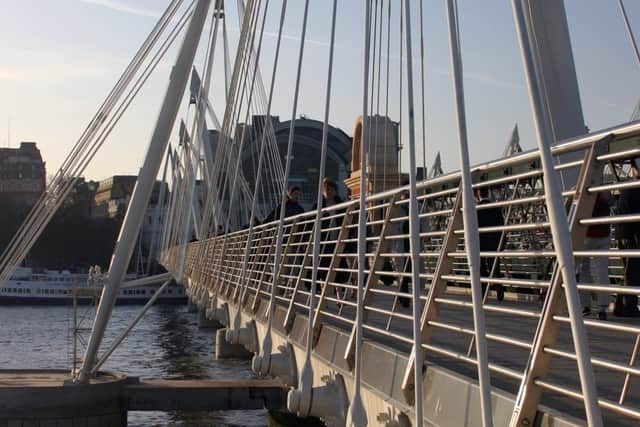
[(605, 344), (239, 266)]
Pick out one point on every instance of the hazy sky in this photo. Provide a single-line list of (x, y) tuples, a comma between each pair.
[(59, 59)]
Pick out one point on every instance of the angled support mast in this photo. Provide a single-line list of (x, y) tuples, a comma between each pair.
[(554, 71), (144, 185)]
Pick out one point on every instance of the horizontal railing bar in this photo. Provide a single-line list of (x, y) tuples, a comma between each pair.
[(604, 403), (489, 307), (498, 338), (608, 325), (618, 367), (471, 361)]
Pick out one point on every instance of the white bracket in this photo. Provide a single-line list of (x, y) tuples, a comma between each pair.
[(221, 313), (246, 336), (328, 402), (281, 364)]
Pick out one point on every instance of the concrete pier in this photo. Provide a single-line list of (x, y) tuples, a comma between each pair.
[(38, 398), (205, 323), (48, 398), (204, 395), (227, 350)]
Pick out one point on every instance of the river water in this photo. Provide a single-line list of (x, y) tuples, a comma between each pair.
[(166, 343)]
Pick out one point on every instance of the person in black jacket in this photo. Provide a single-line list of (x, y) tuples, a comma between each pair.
[(292, 206), (628, 236), (329, 198), (490, 242)]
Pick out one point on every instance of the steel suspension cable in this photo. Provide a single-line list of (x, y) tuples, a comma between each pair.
[(196, 131), (472, 239), (379, 57), (128, 72), (238, 162), (356, 410), (414, 230), (158, 215), (400, 121), (386, 107), (240, 145), (37, 226), (241, 56), (373, 11), (139, 84), (287, 170), (422, 108), (262, 150), (91, 128), (32, 227), (560, 233), (304, 392), (267, 342), (223, 149), (375, 155), (627, 24)]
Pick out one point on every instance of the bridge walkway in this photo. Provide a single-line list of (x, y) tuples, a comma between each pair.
[(238, 268)]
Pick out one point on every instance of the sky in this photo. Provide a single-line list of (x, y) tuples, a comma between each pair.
[(60, 58)]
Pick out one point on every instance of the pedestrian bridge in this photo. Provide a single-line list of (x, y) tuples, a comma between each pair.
[(378, 310), (532, 359)]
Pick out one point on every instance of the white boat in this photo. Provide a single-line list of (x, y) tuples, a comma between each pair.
[(52, 287)]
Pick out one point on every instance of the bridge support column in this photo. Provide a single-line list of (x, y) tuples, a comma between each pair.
[(246, 336), (218, 313), (286, 419), (203, 300), (389, 419), (191, 307), (328, 402), (547, 32), (281, 365), (228, 350), (205, 323)]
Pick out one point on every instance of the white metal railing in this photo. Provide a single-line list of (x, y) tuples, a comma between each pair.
[(526, 257)]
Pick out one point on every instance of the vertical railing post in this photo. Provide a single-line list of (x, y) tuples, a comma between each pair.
[(437, 289), (375, 265), (331, 270)]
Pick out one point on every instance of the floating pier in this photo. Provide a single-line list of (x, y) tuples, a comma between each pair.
[(39, 398)]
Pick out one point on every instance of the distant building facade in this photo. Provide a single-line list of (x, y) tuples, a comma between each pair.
[(307, 145), (22, 173), (113, 195), (111, 200)]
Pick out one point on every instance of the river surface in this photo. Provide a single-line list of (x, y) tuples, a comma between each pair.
[(166, 343)]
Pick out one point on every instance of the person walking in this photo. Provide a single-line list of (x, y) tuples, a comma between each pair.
[(330, 197), (489, 242), (292, 205), (628, 237), (595, 270)]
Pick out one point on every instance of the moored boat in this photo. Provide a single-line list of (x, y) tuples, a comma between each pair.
[(28, 286)]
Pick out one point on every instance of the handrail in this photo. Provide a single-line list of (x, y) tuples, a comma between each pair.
[(526, 259)]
